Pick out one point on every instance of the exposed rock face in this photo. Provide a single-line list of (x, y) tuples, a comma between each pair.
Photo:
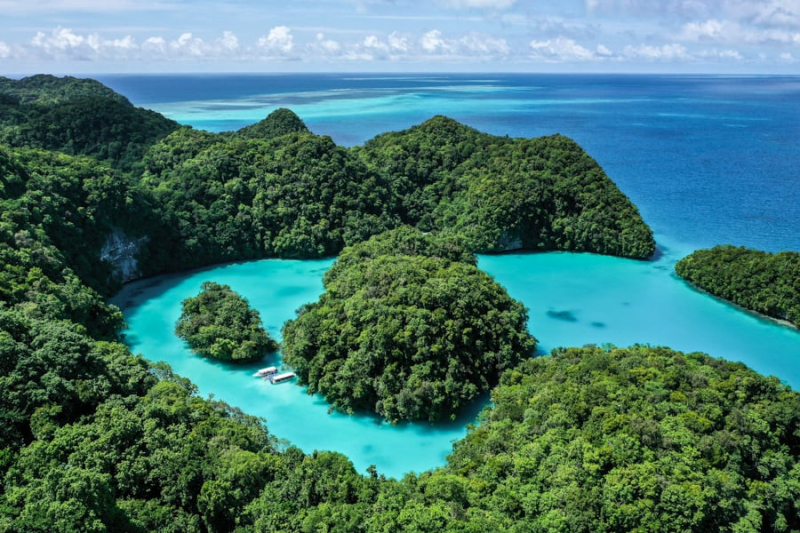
[(121, 250), (508, 243)]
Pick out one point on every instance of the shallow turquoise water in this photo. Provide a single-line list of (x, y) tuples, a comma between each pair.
[(277, 288), (708, 160), (574, 299)]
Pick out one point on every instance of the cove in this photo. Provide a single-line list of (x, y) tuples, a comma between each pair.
[(276, 288), (573, 300)]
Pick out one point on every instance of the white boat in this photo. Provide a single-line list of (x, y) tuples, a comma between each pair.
[(280, 378), (266, 372)]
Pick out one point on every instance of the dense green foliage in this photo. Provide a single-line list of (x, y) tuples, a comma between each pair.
[(501, 193), (638, 439), (96, 439), (298, 195), (760, 281), (274, 189), (218, 323), (47, 89), (54, 211), (78, 117), (408, 333), (278, 123)]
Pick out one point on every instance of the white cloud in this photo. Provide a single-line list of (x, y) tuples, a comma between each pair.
[(603, 51), (484, 45), (188, 44), (732, 33), (65, 43), (666, 52), (711, 29), (433, 42), (399, 43), (473, 45), (155, 44), (5, 50), (559, 50), (372, 42), (725, 55), (279, 40), (228, 41), (327, 46), (60, 39)]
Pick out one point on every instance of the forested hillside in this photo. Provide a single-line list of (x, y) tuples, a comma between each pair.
[(78, 117), (406, 330), (275, 189), (96, 439), (501, 193), (760, 281)]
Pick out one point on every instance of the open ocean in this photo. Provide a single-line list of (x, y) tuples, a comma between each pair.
[(707, 159)]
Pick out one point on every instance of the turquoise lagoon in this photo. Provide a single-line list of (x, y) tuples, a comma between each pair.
[(708, 160), (574, 299)]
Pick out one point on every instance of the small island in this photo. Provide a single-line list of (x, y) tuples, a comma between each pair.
[(219, 324), (406, 329), (759, 281)]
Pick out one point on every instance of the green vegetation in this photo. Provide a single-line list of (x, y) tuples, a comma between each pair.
[(501, 193), (96, 439), (759, 281), (47, 89), (275, 189), (409, 333), (218, 323), (54, 210), (638, 439), (78, 117)]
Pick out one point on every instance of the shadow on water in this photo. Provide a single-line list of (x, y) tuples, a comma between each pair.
[(566, 315)]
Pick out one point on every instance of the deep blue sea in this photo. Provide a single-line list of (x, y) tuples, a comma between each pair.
[(708, 160)]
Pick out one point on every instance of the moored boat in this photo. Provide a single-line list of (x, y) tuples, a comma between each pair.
[(280, 378), (266, 372)]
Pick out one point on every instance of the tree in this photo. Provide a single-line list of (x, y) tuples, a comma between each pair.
[(219, 324)]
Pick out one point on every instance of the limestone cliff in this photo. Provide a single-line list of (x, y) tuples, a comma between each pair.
[(121, 250)]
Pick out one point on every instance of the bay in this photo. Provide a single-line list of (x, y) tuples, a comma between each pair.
[(708, 160)]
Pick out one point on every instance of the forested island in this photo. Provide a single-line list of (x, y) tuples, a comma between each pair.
[(97, 439), (759, 281), (408, 327), (218, 323)]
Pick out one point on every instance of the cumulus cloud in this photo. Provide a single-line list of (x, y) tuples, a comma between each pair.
[(708, 41), (64, 43), (60, 39), (399, 43), (228, 41), (372, 42), (561, 49), (666, 52), (279, 40), (724, 55), (325, 46), (433, 42), (729, 32), (474, 45)]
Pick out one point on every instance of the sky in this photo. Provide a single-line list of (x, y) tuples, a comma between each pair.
[(169, 36)]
